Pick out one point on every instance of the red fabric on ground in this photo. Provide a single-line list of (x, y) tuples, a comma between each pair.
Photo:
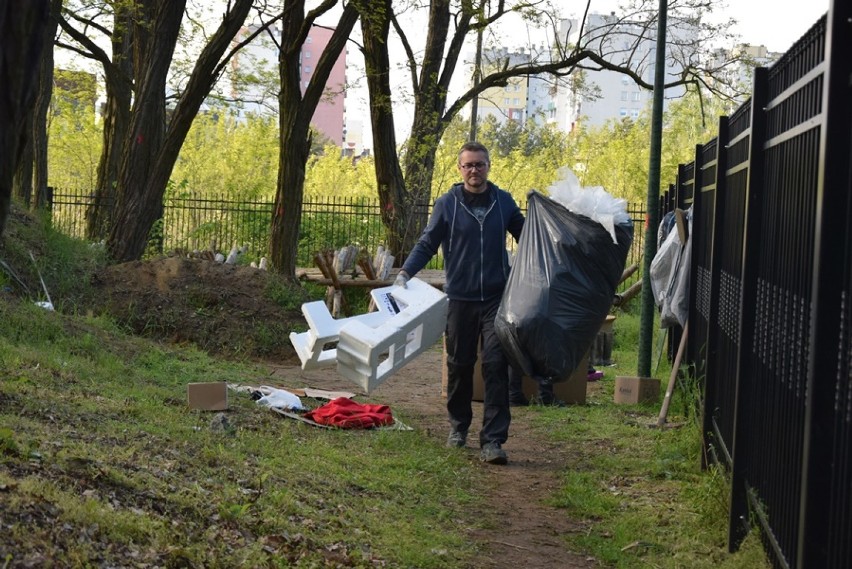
[(347, 414)]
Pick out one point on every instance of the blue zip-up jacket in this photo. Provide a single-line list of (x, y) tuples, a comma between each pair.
[(475, 259)]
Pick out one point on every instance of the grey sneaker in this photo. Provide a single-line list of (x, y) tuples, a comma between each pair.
[(493, 454), (457, 439)]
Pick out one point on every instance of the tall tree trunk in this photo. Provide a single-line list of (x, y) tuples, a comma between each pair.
[(405, 191), (396, 207), (151, 150), (427, 128), (136, 209), (295, 112), (292, 158), (22, 181), (116, 125), (22, 28), (42, 108)]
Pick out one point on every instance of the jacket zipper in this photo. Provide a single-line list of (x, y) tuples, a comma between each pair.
[(481, 243)]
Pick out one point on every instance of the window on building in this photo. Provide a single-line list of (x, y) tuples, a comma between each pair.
[(506, 102), (636, 96), (625, 80), (307, 54), (634, 113), (624, 95), (622, 112), (308, 39), (306, 69), (516, 101)]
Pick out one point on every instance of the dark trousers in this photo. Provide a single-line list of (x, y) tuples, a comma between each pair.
[(468, 325)]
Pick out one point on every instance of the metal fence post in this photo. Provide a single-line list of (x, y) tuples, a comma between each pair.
[(739, 520)]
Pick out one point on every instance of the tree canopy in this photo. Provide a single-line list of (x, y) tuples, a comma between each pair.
[(156, 89)]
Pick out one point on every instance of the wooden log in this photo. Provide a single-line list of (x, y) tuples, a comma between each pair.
[(625, 297), (364, 283), (367, 268), (664, 410), (434, 277), (628, 272), (322, 261)]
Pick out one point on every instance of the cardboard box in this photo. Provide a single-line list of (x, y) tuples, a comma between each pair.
[(211, 396), (601, 350), (572, 391), (632, 390)]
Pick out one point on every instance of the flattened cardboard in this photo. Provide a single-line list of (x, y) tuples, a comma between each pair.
[(571, 391), (212, 396), (632, 390), (323, 394)]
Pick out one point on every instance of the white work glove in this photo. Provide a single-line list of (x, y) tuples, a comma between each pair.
[(401, 279)]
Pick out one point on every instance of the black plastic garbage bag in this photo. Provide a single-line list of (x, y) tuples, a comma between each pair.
[(560, 289)]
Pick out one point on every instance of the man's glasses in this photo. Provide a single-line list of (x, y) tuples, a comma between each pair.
[(467, 167)]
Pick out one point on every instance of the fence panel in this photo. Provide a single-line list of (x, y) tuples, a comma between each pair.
[(779, 245), (217, 223), (68, 211), (701, 238), (723, 324), (337, 222), (198, 223), (778, 310), (826, 523)]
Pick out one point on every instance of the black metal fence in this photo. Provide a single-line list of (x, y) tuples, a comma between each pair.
[(770, 311), (220, 222)]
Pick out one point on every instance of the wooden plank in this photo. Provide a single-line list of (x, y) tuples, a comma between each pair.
[(434, 277)]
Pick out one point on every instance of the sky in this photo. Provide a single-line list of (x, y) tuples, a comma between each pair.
[(776, 24)]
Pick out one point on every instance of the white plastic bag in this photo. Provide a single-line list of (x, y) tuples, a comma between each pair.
[(593, 201), (662, 266), (675, 310), (670, 276), (279, 398)]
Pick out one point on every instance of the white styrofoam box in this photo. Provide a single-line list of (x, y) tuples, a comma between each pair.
[(323, 329), (368, 355)]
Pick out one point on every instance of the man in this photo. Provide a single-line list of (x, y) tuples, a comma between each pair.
[(470, 223)]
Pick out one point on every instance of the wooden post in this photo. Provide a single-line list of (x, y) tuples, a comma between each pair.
[(664, 410), (334, 293), (370, 273)]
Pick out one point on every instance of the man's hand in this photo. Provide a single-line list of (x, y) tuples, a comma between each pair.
[(401, 279)]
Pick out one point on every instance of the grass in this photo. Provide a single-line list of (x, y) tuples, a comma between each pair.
[(101, 463), (640, 492), (94, 438)]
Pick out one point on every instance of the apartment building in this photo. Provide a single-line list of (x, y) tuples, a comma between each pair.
[(260, 58), (524, 97), (604, 94)]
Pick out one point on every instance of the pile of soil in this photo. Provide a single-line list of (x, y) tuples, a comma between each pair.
[(223, 309)]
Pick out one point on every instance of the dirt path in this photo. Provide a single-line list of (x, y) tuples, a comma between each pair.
[(527, 533)]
